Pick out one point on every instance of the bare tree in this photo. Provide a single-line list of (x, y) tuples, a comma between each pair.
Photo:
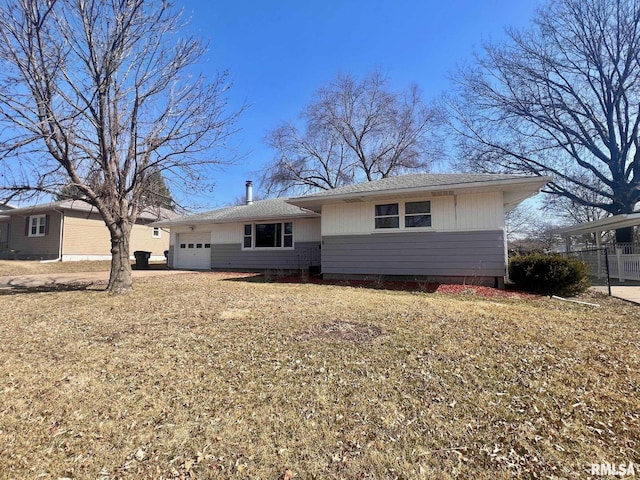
[(570, 211), (561, 98), (101, 95), (518, 222), (352, 131), (539, 237)]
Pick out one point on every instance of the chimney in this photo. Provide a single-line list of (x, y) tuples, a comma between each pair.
[(249, 185)]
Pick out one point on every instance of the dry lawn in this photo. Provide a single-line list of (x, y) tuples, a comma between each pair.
[(201, 377), (21, 267), (24, 267)]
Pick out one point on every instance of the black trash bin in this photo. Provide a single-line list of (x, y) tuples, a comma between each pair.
[(142, 259)]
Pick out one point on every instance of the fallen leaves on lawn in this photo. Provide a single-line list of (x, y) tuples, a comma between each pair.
[(211, 376), (343, 332)]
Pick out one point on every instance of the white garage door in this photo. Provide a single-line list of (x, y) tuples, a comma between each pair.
[(193, 251)]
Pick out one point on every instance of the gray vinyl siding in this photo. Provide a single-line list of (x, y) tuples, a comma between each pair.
[(4, 234), (170, 256), (233, 257), (475, 253), (45, 247)]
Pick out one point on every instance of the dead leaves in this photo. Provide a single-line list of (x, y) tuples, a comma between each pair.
[(384, 384), (343, 332)]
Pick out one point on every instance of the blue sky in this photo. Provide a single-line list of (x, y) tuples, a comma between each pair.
[(280, 52)]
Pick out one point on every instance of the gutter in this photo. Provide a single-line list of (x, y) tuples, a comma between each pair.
[(59, 259), (453, 187), (275, 218)]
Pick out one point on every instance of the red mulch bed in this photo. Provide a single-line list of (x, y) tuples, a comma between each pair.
[(450, 289)]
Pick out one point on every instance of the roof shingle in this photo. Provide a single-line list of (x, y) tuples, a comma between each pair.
[(263, 209), (149, 213), (415, 180)]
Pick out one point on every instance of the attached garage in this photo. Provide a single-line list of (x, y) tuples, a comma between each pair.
[(193, 251), (446, 226)]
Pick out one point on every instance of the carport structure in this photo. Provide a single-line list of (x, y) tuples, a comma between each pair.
[(623, 258)]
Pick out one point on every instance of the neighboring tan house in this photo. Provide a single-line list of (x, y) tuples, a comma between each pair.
[(74, 230), (429, 226)]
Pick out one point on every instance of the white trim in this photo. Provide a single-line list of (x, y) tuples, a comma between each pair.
[(270, 219), (601, 225), (282, 236), (417, 230), (81, 258), (76, 257), (156, 232), (41, 222), (314, 201), (401, 217)]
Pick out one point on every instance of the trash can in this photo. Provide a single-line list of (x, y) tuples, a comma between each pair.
[(142, 259)]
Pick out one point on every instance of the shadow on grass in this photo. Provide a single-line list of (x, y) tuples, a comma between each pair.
[(53, 288), (152, 266), (373, 284)]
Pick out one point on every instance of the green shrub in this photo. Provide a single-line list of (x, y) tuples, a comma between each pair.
[(549, 274)]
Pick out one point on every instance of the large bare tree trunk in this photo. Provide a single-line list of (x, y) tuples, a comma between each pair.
[(120, 277), (624, 235), (101, 98), (560, 99)]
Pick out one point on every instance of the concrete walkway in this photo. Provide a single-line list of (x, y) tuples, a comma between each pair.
[(630, 293), (58, 279)]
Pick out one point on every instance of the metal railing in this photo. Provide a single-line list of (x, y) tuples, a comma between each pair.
[(309, 257), (598, 263)]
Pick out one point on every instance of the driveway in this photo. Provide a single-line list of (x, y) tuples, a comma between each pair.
[(55, 279), (630, 293)]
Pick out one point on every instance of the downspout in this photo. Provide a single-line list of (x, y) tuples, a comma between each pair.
[(59, 259), (505, 240)]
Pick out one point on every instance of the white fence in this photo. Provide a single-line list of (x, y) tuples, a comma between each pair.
[(623, 259)]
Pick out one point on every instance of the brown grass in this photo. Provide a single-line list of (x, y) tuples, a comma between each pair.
[(21, 267), (197, 377)]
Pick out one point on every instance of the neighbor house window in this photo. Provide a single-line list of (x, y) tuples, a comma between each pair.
[(268, 235), (417, 214), (156, 232), (387, 216), (37, 226)]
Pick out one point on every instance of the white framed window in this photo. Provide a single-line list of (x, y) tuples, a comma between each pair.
[(387, 216), (403, 215), (417, 214), (156, 233), (268, 235), (287, 235), (37, 226), (248, 237)]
